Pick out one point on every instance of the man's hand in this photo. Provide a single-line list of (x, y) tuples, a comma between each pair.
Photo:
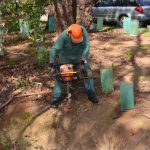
[(51, 68)]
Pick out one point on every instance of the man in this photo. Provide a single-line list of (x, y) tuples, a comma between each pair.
[(72, 46)]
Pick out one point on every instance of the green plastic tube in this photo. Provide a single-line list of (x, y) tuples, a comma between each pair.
[(99, 25), (51, 24), (25, 28), (134, 28), (127, 24), (107, 80), (126, 96)]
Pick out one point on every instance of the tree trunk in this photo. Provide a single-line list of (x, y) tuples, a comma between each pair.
[(84, 16), (63, 12), (67, 12), (74, 10)]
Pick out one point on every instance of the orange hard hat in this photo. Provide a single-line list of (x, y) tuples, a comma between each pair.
[(75, 32)]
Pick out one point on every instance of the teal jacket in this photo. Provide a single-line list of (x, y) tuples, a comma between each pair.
[(69, 52)]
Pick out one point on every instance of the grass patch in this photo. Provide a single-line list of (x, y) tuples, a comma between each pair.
[(21, 120), (6, 147), (26, 117), (12, 62), (7, 142), (129, 55), (142, 30), (105, 28), (54, 123), (22, 83), (39, 54), (146, 46), (145, 32), (33, 52), (111, 27), (9, 134)]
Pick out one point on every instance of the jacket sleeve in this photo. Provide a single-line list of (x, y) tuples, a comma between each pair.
[(86, 44), (57, 47)]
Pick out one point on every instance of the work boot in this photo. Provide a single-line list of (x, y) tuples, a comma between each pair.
[(94, 100), (55, 101)]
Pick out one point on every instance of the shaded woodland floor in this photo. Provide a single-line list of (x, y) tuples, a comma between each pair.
[(28, 122)]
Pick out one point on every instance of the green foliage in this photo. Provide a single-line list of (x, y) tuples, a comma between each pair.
[(6, 147), (43, 56), (34, 18), (8, 13), (30, 10), (8, 8), (13, 26)]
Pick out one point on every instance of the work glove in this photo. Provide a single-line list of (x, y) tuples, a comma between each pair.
[(83, 60), (51, 67)]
